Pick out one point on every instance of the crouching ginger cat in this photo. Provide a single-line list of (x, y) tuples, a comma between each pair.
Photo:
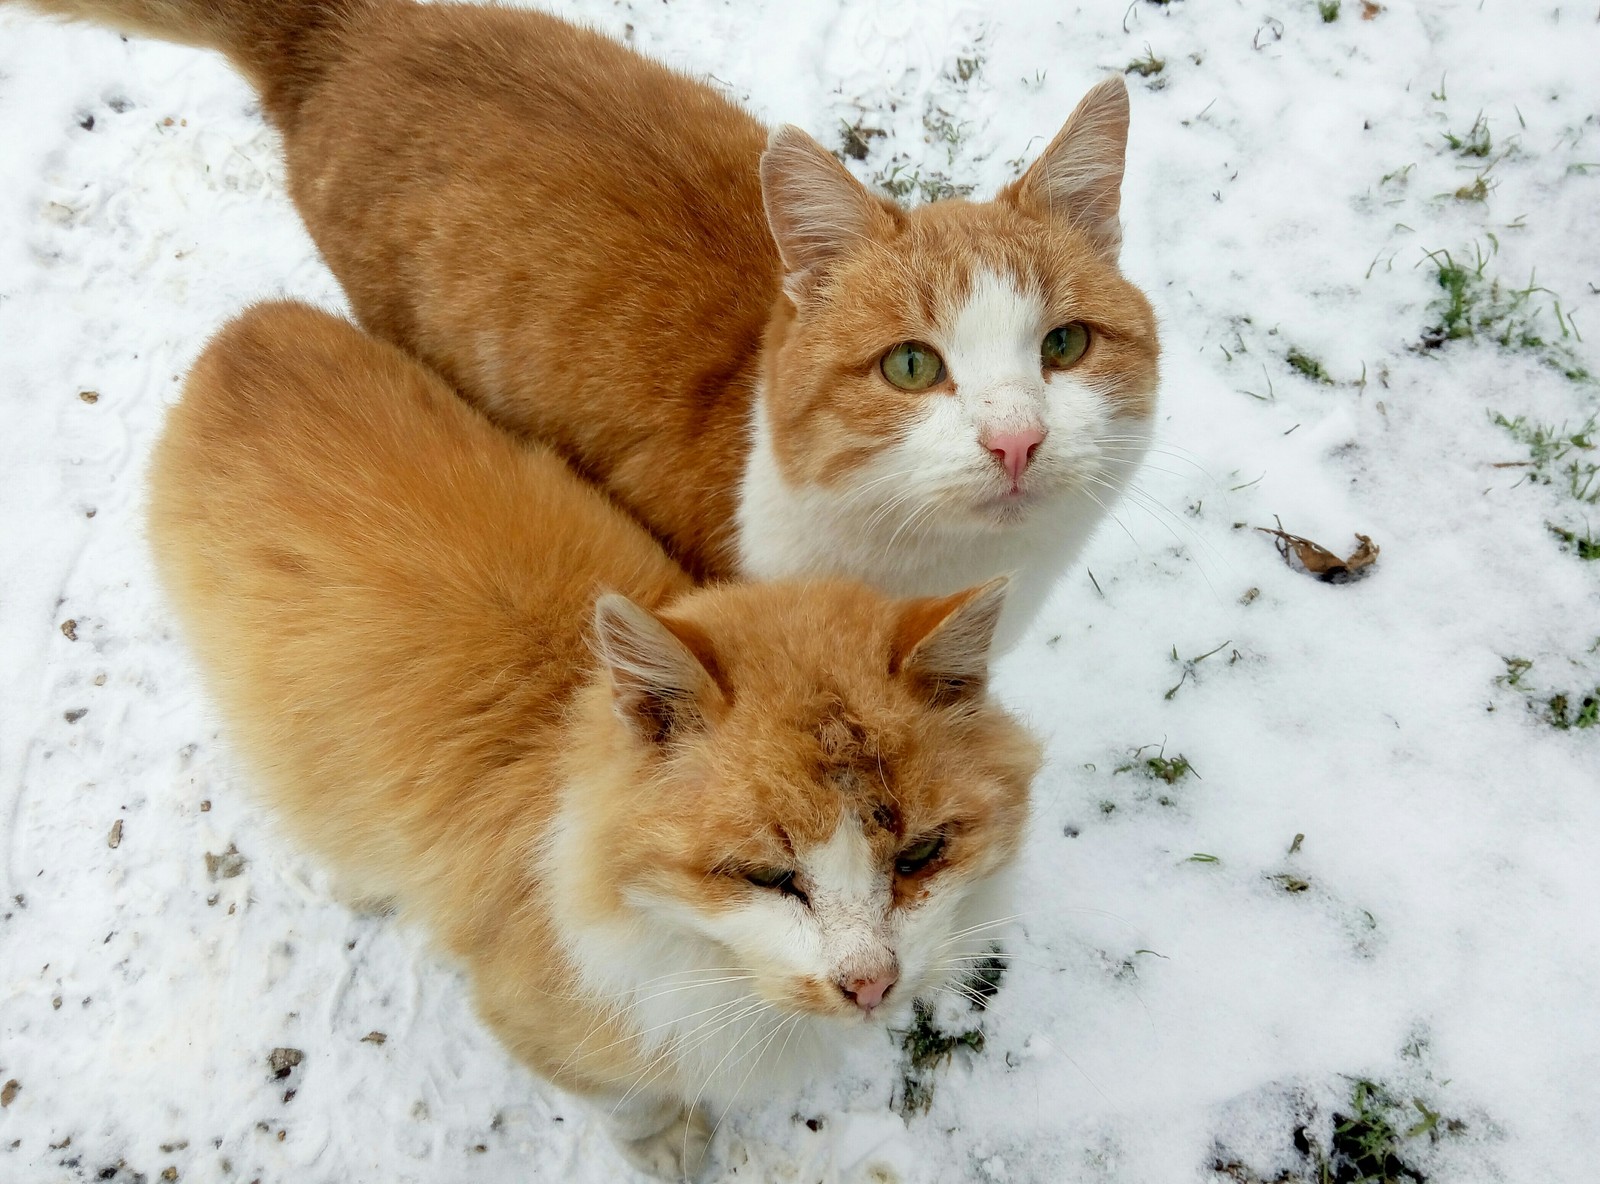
[(777, 371), (682, 840)]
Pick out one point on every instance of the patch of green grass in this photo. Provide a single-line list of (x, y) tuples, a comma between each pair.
[(1562, 710), (1171, 771), (1191, 668), (938, 187), (943, 127), (900, 180), (1159, 767), (925, 1046), (1476, 142), (1584, 545), (1308, 366), (1515, 669), (1367, 1144), (1147, 66), (1473, 304), (1558, 455), (1478, 190), (1369, 1141), (1329, 10), (1457, 281)]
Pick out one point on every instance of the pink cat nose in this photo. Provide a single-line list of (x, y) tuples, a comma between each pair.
[(867, 993), (1014, 448)]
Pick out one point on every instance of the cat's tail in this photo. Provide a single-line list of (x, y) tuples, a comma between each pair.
[(283, 46)]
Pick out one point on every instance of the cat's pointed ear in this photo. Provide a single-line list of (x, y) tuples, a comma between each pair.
[(661, 687), (1079, 176), (816, 209), (942, 643)]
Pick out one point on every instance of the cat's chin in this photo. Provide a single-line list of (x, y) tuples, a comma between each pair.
[(856, 1024), (1012, 510)]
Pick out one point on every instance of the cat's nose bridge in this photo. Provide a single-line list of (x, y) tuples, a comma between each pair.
[(857, 943), (1010, 406)]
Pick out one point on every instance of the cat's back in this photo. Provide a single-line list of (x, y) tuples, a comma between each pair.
[(521, 169), (387, 594), (571, 233)]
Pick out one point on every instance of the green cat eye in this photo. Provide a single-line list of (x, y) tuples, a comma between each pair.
[(919, 855), (1064, 346), (912, 366)]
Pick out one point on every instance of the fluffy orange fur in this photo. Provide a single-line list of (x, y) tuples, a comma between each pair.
[(591, 262), (395, 605)]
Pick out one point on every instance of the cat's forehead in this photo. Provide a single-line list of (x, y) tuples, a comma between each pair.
[(817, 724), (855, 765), (951, 250), (822, 760)]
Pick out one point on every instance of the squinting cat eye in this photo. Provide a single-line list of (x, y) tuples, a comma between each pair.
[(777, 879), (912, 366), (919, 855), (1065, 345)]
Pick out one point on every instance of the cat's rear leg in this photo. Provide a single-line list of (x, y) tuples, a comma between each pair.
[(660, 1136)]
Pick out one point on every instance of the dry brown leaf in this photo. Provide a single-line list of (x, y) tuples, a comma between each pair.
[(1321, 562), (1369, 9), (1365, 555)]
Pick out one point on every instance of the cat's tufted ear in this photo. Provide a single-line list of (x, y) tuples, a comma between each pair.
[(942, 643), (816, 209), (1079, 176), (662, 687)]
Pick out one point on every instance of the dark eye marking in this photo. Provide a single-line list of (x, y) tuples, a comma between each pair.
[(886, 816)]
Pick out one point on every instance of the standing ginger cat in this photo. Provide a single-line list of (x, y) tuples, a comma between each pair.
[(777, 371), (752, 821)]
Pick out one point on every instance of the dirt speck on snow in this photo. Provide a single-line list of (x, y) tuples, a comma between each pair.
[(283, 1060)]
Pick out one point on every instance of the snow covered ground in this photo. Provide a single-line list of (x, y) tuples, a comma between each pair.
[(1196, 992)]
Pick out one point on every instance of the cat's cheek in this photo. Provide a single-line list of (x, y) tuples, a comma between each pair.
[(937, 467), (961, 922), (777, 940), (1079, 417)]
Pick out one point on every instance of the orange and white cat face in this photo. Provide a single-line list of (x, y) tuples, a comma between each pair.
[(839, 872), (830, 794), (960, 366)]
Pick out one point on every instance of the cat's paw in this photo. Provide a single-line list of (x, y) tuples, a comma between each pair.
[(676, 1152)]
